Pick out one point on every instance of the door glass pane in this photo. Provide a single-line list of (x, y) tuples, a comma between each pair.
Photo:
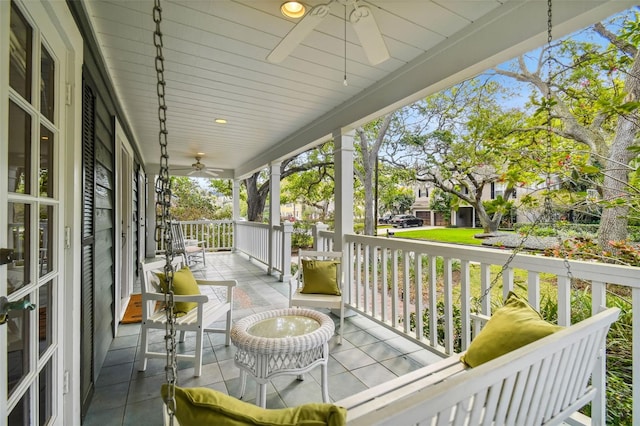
[(20, 53), (18, 239), (20, 414), (19, 150), (18, 346), (45, 260), (44, 402), (46, 162), (47, 74), (45, 306)]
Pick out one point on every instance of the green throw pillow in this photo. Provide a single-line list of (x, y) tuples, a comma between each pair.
[(204, 406), (184, 284), (320, 277), (514, 325)]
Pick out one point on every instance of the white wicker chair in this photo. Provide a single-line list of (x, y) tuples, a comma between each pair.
[(211, 307), (298, 299)]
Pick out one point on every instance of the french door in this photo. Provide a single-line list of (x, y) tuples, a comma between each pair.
[(32, 140)]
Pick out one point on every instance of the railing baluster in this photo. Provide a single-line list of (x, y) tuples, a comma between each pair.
[(406, 290), (433, 301), (465, 303), (385, 284), (485, 293), (507, 282), (358, 274), (533, 289), (564, 301), (418, 296), (374, 284), (394, 288), (448, 306), (366, 260)]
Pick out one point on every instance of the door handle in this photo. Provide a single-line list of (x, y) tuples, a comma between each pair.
[(19, 305), (6, 256)]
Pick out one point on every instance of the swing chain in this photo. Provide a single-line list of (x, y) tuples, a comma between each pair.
[(163, 217), (548, 205)]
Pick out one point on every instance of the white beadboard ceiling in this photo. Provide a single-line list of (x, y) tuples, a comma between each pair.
[(215, 64)]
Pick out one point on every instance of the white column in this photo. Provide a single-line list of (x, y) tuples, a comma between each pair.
[(235, 196), (235, 212), (150, 246), (343, 158), (274, 211)]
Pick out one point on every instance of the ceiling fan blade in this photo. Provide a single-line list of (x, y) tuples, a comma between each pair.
[(299, 33), (209, 172), (365, 26), (192, 172)]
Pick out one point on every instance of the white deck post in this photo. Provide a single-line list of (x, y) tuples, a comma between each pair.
[(274, 212), (318, 244), (287, 230), (343, 157), (235, 195)]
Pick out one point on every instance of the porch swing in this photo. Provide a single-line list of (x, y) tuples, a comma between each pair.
[(544, 381)]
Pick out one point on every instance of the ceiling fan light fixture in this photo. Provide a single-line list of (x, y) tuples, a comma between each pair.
[(293, 9)]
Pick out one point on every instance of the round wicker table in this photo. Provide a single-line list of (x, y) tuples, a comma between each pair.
[(278, 342)]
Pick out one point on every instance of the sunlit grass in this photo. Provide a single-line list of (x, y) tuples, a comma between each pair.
[(446, 235)]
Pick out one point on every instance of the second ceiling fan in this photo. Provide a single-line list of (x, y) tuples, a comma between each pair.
[(199, 167), (361, 19)]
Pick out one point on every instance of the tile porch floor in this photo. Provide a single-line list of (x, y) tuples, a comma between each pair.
[(370, 354)]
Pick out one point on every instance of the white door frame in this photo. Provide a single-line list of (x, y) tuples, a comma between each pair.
[(55, 22), (142, 216), (124, 222)]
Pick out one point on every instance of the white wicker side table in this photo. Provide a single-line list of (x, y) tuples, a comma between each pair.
[(282, 341)]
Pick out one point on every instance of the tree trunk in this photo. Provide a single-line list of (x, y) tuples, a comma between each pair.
[(256, 199), (369, 214), (614, 220), (489, 224)]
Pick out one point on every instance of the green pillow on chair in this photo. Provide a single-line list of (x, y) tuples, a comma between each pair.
[(320, 277), (514, 325), (184, 284), (204, 406)]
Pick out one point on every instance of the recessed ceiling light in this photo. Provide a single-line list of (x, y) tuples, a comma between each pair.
[(220, 121), (292, 9)]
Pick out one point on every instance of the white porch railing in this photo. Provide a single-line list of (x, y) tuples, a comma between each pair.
[(382, 272), (214, 234), (252, 238)]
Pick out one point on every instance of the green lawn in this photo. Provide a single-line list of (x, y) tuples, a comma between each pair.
[(447, 235)]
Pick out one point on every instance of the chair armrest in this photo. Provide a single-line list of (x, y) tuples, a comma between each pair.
[(293, 282), (227, 283), (198, 298)]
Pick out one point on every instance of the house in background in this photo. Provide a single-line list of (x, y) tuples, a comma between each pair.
[(79, 144)]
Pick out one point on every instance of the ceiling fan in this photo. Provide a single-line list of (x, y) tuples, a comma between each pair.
[(361, 18), (199, 167)]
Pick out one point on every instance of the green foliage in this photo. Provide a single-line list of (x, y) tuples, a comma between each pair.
[(441, 201), (301, 236), (193, 202), (586, 248), (457, 324)]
